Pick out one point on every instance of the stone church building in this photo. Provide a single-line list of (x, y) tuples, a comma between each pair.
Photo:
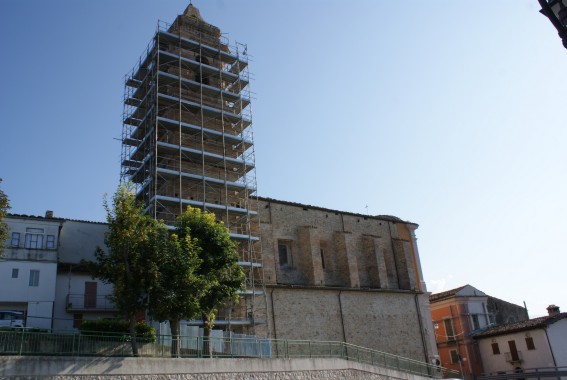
[(338, 276)]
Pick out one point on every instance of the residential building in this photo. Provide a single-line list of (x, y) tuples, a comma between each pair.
[(28, 267), (42, 275), (78, 295), (457, 314), (187, 141), (531, 344)]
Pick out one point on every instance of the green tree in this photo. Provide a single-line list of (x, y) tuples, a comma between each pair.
[(4, 207), (133, 241), (219, 267), (176, 289)]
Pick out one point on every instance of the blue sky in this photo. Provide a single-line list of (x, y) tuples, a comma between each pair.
[(445, 113)]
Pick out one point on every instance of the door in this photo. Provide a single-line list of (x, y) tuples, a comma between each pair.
[(90, 294)]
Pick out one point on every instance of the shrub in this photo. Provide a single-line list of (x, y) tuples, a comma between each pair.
[(119, 327)]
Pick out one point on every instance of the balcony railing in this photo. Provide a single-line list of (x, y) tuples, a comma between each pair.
[(513, 357), (526, 373), (87, 302), (451, 339), (27, 254)]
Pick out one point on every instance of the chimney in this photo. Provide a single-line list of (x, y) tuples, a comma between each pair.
[(49, 214), (553, 310)]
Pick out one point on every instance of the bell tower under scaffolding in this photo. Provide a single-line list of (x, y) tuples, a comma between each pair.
[(187, 140)]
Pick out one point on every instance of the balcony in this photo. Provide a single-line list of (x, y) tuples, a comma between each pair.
[(27, 254), (87, 302), (513, 357)]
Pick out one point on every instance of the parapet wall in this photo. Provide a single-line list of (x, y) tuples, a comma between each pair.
[(97, 368)]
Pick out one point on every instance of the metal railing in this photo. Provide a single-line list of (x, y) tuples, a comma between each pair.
[(513, 357), (26, 342), (529, 373), (87, 302)]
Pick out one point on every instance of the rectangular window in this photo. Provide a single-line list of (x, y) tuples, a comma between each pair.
[(34, 238), (50, 243), (284, 252), (454, 357), (513, 351), (323, 258), (530, 343), (495, 349), (15, 272), (15, 239), (475, 323), (34, 277), (449, 330)]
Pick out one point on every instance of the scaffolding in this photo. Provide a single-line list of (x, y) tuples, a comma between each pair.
[(187, 140)]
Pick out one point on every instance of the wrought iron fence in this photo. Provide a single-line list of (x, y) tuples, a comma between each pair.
[(26, 342)]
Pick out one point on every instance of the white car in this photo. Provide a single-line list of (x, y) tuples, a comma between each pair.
[(10, 318)]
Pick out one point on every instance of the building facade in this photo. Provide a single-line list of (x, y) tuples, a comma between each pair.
[(28, 268), (457, 315), (329, 276), (339, 276), (79, 296), (42, 275), (187, 141), (531, 344)]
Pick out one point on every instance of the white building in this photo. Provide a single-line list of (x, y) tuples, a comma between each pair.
[(41, 275), (78, 296), (28, 267), (535, 343)]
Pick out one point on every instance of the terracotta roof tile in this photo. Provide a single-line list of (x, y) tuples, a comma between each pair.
[(445, 294), (530, 324)]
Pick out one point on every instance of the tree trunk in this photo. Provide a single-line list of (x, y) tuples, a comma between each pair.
[(175, 349), (207, 327), (133, 336)]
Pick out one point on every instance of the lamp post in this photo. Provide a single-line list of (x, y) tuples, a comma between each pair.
[(556, 12)]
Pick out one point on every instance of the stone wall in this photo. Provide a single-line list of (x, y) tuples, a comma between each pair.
[(90, 368), (505, 312), (333, 248), (337, 276), (381, 320)]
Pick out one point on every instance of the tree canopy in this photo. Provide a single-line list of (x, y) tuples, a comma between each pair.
[(173, 275), (133, 241), (219, 266), (176, 289)]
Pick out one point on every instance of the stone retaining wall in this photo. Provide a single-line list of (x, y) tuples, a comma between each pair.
[(93, 368)]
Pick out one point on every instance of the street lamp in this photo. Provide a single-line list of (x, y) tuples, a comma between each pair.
[(556, 12)]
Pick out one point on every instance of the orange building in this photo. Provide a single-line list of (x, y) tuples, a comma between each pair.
[(459, 313)]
